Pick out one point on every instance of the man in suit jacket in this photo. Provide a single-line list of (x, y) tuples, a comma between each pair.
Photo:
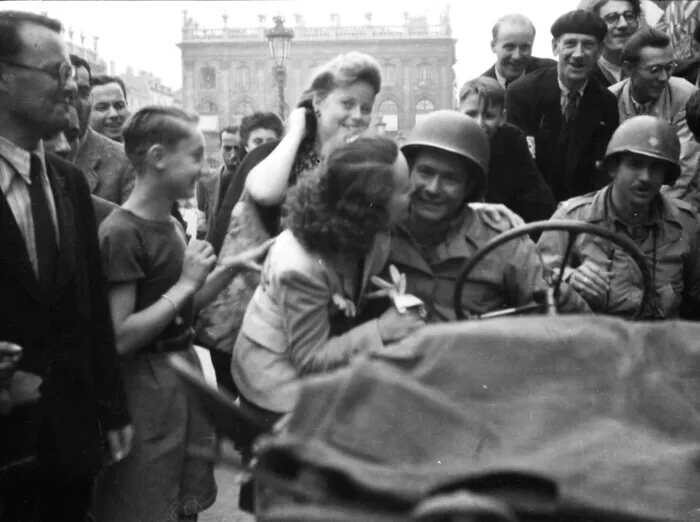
[(569, 117), (650, 89), (623, 18), (65, 144), (212, 187), (513, 36), (53, 301), (102, 160)]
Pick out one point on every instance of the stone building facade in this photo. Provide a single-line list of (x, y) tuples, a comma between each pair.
[(145, 88), (228, 72)]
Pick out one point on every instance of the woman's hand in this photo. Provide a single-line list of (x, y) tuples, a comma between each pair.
[(249, 259), (495, 213), (394, 325)]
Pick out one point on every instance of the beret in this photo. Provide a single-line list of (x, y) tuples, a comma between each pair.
[(581, 22)]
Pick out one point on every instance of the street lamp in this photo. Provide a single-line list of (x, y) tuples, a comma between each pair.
[(280, 39), (380, 125)]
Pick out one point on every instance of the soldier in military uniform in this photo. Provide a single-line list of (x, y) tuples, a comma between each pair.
[(643, 155), (448, 156)]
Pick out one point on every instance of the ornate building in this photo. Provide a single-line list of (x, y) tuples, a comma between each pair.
[(91, 56), (228, 72)]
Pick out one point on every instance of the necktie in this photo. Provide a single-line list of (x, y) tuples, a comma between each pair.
[(44, 234), (571, 109)]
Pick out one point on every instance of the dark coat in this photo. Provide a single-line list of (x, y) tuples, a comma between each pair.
[(533, 64), (106, 168), (216, 232), (514, 179), (566, 154), (66, 334)]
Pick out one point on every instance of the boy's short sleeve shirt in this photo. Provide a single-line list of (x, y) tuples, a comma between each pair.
[(148, 253)]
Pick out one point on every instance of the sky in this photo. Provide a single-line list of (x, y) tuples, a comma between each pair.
[(144, 34)]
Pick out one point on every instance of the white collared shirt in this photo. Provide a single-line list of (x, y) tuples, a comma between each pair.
[(614, 69), (501, 79), (564, 98), (642, 108), (15, 166)]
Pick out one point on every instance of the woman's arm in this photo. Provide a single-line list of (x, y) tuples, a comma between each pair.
[(267, 182), (306, 318)]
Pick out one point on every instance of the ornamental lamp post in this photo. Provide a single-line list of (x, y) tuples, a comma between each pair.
[(280, 39), (380, 125)]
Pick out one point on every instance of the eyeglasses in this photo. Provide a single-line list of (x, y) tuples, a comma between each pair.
[(614, 18), (61, 74), (656, 70)]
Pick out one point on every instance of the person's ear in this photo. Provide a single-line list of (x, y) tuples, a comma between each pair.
[(156, 157), (628, 68)]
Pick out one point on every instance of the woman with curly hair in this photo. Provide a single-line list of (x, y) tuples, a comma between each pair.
[(300, 320)]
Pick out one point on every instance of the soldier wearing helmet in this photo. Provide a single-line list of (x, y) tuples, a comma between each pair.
[(448, 156), (642, 156), (648, 60)]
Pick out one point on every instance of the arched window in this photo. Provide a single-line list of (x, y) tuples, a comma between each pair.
[(243, 78), (390, 114), (390, 74), (206, 106), (208, 77), (244, 108), (425, 73), (423, 107)]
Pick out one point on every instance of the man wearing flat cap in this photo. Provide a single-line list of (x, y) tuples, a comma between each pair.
[(569, 116)]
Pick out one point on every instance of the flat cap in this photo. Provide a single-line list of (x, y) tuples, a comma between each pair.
[(580, 22)]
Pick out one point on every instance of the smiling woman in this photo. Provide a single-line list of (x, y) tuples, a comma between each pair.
[(336, 107)]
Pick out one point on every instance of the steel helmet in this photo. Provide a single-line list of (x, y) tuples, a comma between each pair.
[(452, 132), (648, 136)]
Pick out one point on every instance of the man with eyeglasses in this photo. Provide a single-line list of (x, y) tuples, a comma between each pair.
[(55, 326), (622, 17), (564, 112), (651, 89), (103, 161)]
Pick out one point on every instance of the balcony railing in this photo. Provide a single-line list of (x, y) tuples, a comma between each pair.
[(398, 32)]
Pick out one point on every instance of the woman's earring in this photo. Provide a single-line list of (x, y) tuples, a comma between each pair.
[(317, 113)]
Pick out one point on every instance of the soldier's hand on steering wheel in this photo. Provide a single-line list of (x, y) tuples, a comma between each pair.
[(592, 282)]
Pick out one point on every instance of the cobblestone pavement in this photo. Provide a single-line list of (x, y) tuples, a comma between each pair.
[(225, 509)]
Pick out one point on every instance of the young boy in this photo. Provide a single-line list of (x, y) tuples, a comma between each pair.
[(156, 284), (514, 179)]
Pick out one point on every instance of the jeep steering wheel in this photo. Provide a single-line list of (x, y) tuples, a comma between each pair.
[(550, 303)]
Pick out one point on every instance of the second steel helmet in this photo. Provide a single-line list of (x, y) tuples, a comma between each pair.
[(453, 132), (648, 136)]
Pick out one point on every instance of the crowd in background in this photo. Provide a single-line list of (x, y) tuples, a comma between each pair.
[(118, 249)]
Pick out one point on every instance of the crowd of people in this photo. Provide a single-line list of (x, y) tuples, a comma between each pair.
[(101, 281)]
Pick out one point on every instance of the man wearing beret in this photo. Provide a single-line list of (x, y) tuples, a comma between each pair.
[(569, 116)]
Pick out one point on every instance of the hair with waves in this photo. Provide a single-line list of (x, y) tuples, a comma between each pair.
[(344, 204)]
